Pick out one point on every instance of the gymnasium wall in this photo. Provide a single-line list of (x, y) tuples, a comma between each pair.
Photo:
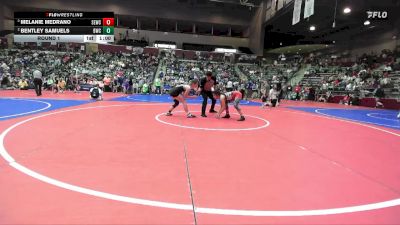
[(180, 38)]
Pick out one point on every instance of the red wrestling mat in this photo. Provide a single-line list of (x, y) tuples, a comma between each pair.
[(123, 163)]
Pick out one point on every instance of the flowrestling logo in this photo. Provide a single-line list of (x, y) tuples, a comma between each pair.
[(377, 14)]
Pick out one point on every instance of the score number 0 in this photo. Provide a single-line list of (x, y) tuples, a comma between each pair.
[(108, 22)]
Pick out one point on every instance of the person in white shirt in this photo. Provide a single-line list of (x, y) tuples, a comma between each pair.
[(229, 86), (273, 97), (37, 81)]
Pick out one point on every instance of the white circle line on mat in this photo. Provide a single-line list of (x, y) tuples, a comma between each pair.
[(266, 124), (143, 100), (357, 121), (377, 117), (48, 105), (178, 206)]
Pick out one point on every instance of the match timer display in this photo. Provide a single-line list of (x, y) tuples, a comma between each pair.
[(76, 27)]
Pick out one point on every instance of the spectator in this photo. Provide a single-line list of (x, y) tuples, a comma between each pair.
[(135, 87), (145, 89), (107, 84), (273, 97), (5, 82), (379, 94), (23, 84), (229, 86), (157, 84), (346, 100), (61, 85), (96, 93)]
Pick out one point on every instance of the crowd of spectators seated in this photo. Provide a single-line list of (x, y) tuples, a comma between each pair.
[(372, 75), (261, 77), (68, 70), (179, 71)]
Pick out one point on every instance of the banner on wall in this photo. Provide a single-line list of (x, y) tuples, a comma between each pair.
[(280, 4), (308, 8), (274, 5), (296, 11)]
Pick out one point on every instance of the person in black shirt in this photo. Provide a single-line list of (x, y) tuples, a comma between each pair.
[(206, 87), (5, 82), (179, 94)]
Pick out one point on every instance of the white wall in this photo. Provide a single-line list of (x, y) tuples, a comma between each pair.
[(180, 38)]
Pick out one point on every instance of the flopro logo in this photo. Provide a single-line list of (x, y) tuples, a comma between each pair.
[(377, 14)]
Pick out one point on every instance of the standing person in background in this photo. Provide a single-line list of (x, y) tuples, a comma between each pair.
[(280, 93), (107, 83), (254, 88), (5, 82), (264, 97), (206, 87), (145, 88), (249, 88), (130, 83), (115, 85), (157, 84), (125, 86), (379, 94), (75, 82), (135, 87), (311, 94), (297, 90), (37, 81), (140, 85)]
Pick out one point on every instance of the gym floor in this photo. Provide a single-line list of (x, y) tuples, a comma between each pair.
[(68, 160)]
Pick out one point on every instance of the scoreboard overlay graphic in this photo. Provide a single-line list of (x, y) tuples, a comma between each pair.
[(77, 27)]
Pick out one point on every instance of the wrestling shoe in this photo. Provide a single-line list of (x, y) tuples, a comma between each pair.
[(190, 116), (227, 116), (241, 118), (203, 115), (168, 114), (213, 111)]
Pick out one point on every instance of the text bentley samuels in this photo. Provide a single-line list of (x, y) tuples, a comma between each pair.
[(44, 30)]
